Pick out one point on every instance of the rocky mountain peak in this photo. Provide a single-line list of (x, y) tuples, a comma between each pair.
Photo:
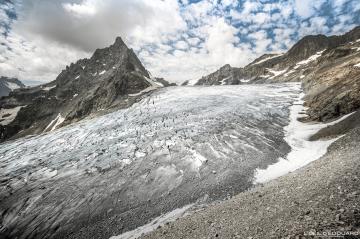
[(225, 67), (290, 66), (119, 42), (308, 46), (112, 78)]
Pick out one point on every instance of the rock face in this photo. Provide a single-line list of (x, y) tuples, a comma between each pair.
[(112, 78), (328, 67), (9, 84)]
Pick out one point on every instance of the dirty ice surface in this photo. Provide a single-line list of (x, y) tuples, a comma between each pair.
[(125, 168)]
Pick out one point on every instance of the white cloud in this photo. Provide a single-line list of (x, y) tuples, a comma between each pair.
[(72, 31), (175, 39), (86, 8), (261, 40), (218, 49), (181, 45), (306, 8), (316, 25), (38, 60)]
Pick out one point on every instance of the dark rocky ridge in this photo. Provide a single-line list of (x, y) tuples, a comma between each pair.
[(112, 78), (325, 65), (9, 84)]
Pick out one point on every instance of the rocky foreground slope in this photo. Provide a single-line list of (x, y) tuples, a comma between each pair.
[(328, 67), (112, 78)]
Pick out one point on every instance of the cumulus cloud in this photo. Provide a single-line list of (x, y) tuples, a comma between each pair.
[(178, 40), (86, 8), (307, 8)]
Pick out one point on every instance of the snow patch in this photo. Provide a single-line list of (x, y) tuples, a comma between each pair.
[(8, 115), (223, 81), (289, 72), (55, 123), (303, 151), (154, 224), (12, 86), (276, 73), (265, 76), (102, 73), (154, 85), (357, 65), (268, 58), (48, 88), (192, 82), (310, 59), (77, 77)]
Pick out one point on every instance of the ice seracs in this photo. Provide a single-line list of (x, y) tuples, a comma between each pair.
[(156, 150)]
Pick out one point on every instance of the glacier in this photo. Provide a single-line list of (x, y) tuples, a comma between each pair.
[(116, 172)]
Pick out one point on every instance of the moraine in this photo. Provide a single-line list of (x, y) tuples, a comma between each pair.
[(114, 173)]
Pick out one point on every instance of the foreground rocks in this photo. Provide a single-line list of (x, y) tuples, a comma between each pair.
[(322, 197)]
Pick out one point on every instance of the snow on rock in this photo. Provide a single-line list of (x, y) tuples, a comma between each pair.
[(192, 82), (223, 81), (12, 86), (55, 123), (8, 115), (268, 58), (303, 151), (47, 88), (357, 65), (153, 86), (310, 59), (289, 73), (102, 73), (154, 224), (276, 73)]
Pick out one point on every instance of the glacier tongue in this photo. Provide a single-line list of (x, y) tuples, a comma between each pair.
[(166, 151)]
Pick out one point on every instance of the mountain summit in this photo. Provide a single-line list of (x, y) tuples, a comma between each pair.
[(112, 78), (287, 66)]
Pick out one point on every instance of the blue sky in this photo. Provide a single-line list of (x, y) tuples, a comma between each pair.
[(176, 39)]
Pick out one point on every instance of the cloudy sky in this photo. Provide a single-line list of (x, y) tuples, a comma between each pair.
[(175, 39)]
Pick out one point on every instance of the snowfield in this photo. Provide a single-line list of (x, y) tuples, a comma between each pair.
[(171, 149), (303, 150)]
